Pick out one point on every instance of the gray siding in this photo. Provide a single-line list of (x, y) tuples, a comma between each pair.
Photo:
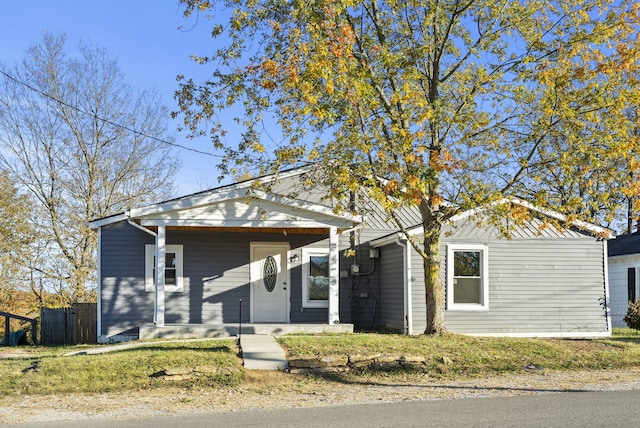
[(124, 303), (418, 297), (392, 295), (539, 286)]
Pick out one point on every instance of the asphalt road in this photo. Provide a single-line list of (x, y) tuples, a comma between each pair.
[(575, 409)]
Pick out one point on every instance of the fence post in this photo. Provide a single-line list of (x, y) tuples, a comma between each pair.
[(7, 331), (34, 332)]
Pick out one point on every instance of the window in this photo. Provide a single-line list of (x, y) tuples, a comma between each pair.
[(173, 268), (467, 277), (631, 284), (315, 278)]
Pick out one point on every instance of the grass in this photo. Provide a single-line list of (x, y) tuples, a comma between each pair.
[(126, 370), (480, 356), (137, 368)]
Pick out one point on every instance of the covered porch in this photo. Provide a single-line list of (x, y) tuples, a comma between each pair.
[(199, 265)]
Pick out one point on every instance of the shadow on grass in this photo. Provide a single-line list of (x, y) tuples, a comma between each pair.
[(338, 378), (628, 339), (216, 349), (141, 347)]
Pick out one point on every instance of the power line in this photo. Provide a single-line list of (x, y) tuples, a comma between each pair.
[(107, 121)]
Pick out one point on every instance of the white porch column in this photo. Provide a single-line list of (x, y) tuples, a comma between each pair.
[(160, 276), (334, 277)]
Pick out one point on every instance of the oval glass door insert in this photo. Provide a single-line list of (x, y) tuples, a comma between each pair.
[(270, 273)]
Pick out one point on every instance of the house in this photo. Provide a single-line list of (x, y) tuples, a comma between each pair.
[(624, 266), (208, 263)]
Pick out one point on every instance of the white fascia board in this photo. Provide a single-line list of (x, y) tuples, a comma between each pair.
[(242, 223), (583, 225), (386, 240), (96, 224)]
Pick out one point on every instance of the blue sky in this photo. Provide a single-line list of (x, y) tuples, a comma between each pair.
[(145, 37)]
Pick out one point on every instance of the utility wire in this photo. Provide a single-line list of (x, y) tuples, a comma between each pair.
[(107, 121)]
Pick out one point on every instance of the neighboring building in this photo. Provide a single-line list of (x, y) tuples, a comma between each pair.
[(236, 254), (624, 275)]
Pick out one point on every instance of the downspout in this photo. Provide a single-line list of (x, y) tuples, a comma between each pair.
[(607, 312), (99, 288), (406, 273)]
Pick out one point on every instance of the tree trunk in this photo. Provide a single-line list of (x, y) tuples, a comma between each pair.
[(434, 287)]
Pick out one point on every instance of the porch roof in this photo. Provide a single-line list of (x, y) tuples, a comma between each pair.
[(239, 205)]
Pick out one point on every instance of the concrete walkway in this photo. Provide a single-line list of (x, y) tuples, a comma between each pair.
[(262, 352)]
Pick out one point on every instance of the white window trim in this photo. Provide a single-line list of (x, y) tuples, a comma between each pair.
[(306, 255), (149, 253), (484, 275)]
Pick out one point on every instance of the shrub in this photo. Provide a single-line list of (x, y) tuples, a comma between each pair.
[(633, 315)]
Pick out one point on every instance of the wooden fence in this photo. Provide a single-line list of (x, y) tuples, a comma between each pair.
[(68, 326)]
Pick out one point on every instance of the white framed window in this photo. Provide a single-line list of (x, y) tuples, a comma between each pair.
[(467, 277), (315, 278), (173, 268)]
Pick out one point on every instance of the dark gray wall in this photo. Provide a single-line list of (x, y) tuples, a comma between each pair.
[(360, 294), (392, 295), (125, 305)]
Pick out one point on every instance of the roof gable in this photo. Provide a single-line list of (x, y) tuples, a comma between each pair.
[(268, 211), (238, 205)]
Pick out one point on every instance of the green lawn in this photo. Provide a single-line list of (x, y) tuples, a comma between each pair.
[(46, 370)]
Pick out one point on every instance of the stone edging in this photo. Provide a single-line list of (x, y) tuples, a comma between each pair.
[(359, 361)]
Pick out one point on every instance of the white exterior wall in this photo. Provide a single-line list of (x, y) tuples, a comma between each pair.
[(618, 291)]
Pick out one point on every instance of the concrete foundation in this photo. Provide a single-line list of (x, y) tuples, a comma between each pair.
[(185, 331)]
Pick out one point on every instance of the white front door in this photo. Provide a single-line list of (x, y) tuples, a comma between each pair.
[(269, 281)]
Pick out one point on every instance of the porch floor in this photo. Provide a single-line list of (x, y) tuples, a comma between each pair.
[(184, 331)]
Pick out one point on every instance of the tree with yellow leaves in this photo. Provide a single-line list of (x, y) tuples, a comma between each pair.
[(445, 105), (16, 238)]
